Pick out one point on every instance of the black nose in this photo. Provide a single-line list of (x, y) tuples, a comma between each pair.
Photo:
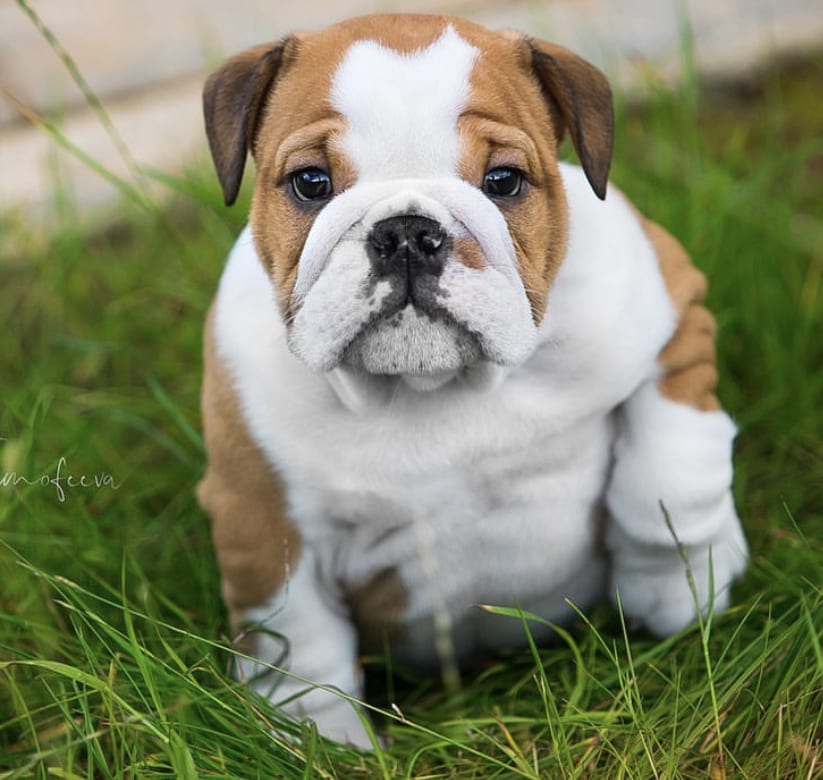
[(408, 246)]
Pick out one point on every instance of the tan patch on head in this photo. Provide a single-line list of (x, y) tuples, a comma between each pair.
[(688, 360), (256, 544), (525, 95), (508, 125), (516, 117)]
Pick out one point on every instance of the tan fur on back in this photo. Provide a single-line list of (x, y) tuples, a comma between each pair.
[(688, 360)]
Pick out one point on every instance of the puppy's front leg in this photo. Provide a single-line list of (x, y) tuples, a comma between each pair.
[(673, 456), (297, 628), (269, 579), (676, 461)]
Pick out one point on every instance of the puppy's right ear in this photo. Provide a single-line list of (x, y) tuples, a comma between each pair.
[(233, 99)]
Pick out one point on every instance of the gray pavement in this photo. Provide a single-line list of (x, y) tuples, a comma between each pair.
[(146, 60)]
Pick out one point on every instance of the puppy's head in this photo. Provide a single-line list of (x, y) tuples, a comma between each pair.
[(408, 205)]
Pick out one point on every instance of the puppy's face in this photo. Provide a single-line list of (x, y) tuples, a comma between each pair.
[(408, 205)]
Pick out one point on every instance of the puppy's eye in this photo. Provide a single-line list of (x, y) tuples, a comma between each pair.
[(311, 184), (503, 182)]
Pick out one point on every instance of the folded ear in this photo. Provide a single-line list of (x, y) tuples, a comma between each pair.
[(580, 100), (233, 99)]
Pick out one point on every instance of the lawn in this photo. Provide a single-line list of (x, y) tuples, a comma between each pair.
[(114, 656)]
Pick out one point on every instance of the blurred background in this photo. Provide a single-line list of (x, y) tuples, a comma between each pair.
[(146, 63)]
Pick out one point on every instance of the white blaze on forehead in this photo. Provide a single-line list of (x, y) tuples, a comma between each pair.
[(402, 109)]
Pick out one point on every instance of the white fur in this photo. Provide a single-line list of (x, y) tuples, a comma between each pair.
[(291, 623), (672, 460), (402, 108)]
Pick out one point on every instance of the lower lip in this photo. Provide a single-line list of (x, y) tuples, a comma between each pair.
[(424, 383)]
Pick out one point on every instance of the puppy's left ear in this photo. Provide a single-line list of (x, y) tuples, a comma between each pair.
[(580, 100), (233, 101)]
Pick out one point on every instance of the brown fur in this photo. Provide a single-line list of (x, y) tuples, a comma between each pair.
[(232, 102), (377, 608), (538, 218), (583, 101), (468, 252), (256, 544), (688, 360)]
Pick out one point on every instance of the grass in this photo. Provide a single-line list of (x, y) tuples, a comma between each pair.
[(113, 651)]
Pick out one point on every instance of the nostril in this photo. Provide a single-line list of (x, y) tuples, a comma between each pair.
[(429, 242), (386, 244), (407, 245)]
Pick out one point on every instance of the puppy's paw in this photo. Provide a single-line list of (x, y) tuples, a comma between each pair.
[(653, 583), (342, 724)]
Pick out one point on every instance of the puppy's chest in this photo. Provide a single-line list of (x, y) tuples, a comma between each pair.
[(500, 514)]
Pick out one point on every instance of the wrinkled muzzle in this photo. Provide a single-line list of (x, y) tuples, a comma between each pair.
[(411, 278)]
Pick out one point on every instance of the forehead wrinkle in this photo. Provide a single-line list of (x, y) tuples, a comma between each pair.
[(401, 109), (312, 136), (504, 136)]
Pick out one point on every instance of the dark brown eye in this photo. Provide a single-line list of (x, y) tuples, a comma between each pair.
[(503, 182), (311, 184)]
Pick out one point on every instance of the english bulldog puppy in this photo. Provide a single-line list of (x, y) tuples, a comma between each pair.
[(442, 367)]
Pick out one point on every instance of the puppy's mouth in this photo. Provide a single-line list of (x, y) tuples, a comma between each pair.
[(424, 346)]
